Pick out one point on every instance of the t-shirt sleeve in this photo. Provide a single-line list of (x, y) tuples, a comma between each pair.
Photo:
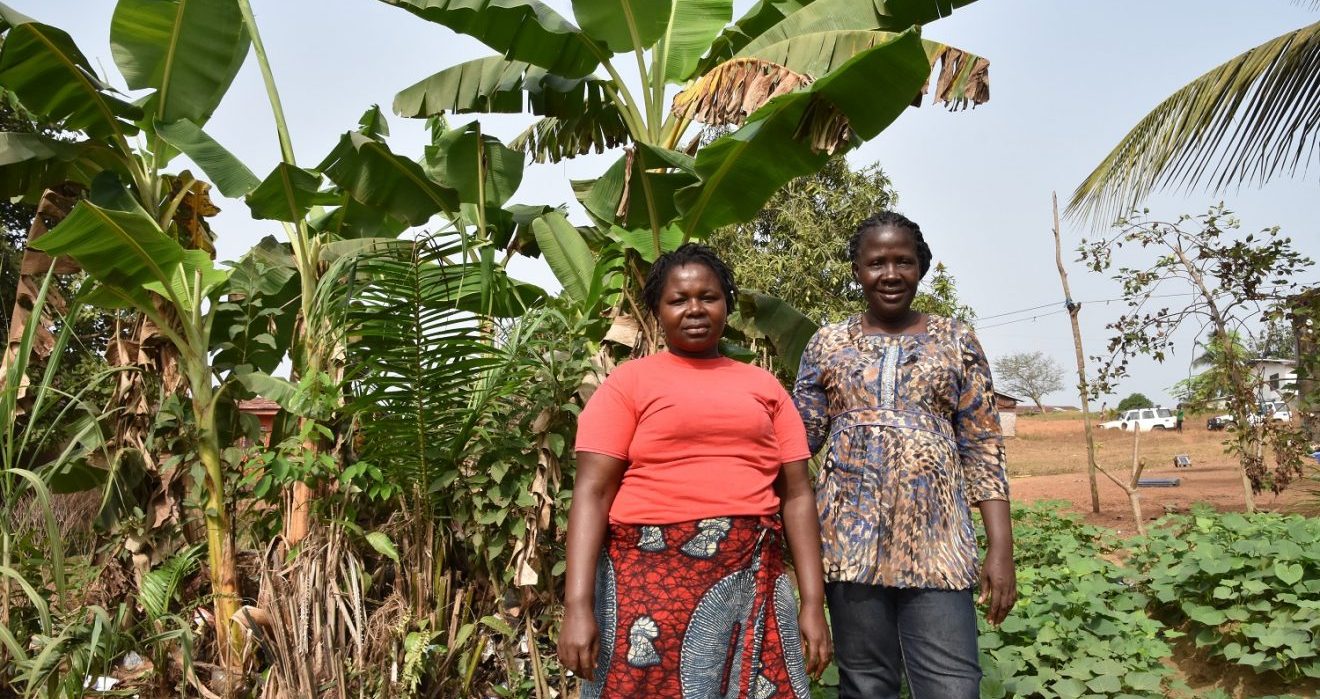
[(607, 424), (789, 430)]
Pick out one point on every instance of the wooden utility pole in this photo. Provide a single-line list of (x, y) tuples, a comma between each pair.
[(1073, 308)]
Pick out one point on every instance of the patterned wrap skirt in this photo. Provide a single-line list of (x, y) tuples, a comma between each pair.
[(697, 610)]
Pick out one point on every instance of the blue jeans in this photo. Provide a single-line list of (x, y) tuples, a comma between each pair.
[(881, 633)]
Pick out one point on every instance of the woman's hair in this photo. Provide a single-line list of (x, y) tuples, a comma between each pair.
[(688, 254), (891, 219)]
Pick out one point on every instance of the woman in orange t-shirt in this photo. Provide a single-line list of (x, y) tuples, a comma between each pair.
[(691, 472)]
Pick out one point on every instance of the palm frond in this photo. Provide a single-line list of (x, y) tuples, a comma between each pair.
[(422, 364), (1246, 121), (159, 585)]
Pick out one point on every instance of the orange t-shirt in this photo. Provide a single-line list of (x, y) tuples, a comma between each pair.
[(702, 437)]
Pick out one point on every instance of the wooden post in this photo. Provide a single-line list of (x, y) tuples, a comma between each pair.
[(1073, 308), (1134, 496)]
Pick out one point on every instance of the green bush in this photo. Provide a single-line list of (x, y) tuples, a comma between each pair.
[(1079, 627), (1246, 587), (1136, 400)]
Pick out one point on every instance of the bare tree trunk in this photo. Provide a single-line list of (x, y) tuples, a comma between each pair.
[(1073, 309)]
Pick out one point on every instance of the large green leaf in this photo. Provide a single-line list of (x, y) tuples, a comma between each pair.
[(601, 196), (375, 176), (253, 326), (510, 228), (693, 25), (741, 170), (29, 163), (650, 179), (643, 241), (1248, 120), (817, 53), (567, 254), (497, 85), (837, 15), (521, 30), (229, 174), (772, 21), (453, 159), (42, 66), (963, 76), (287, 194), (187, 50), (763, 315), (121, 248), (623, 25), (196, 277), (763, 15), (352, 220)]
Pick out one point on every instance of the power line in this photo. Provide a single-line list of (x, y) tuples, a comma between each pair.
[(1063, 310)]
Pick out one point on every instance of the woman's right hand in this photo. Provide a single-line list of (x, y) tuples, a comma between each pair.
[(579, 641)]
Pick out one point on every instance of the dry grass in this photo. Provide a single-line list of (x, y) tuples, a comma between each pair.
[(1056, 443), (1047, 460)]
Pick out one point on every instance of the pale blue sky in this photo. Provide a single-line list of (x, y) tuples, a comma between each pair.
[(1068, 78)]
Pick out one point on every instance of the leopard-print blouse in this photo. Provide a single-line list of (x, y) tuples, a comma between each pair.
[(914, 441)]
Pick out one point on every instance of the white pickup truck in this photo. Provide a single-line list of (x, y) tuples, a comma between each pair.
[(1144, 419)]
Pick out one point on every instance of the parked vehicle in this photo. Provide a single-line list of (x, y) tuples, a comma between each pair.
[(1267, 410), (1144, 419)]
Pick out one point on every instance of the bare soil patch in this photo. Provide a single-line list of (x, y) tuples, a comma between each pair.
[(1047, 461)]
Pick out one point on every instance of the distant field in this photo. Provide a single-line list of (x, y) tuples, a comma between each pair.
[(1056, 443), (1047, 460)]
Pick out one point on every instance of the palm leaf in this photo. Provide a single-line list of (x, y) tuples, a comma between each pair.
[(1246, 121), (418, 355), (159, 585)]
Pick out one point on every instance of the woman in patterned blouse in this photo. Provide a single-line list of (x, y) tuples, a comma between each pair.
[(904, 401)]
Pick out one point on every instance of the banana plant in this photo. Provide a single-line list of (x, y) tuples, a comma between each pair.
[(141, 233), (788, 85)]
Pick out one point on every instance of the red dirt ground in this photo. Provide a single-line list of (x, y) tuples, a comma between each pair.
[(1052, 445)]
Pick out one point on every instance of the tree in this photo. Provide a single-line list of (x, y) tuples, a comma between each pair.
[(1275, 340), (1133, 401), (796, 247), (1212, 382), (1227, 277), (1253, 117), (1031, 374)]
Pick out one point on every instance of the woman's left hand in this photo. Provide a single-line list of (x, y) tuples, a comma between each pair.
[(816, 642), (999, 584)]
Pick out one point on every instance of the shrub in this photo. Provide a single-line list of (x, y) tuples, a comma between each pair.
[(1246, 587), (1136, 400)]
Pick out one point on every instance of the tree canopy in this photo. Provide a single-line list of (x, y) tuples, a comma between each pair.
[(1032, 374)]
